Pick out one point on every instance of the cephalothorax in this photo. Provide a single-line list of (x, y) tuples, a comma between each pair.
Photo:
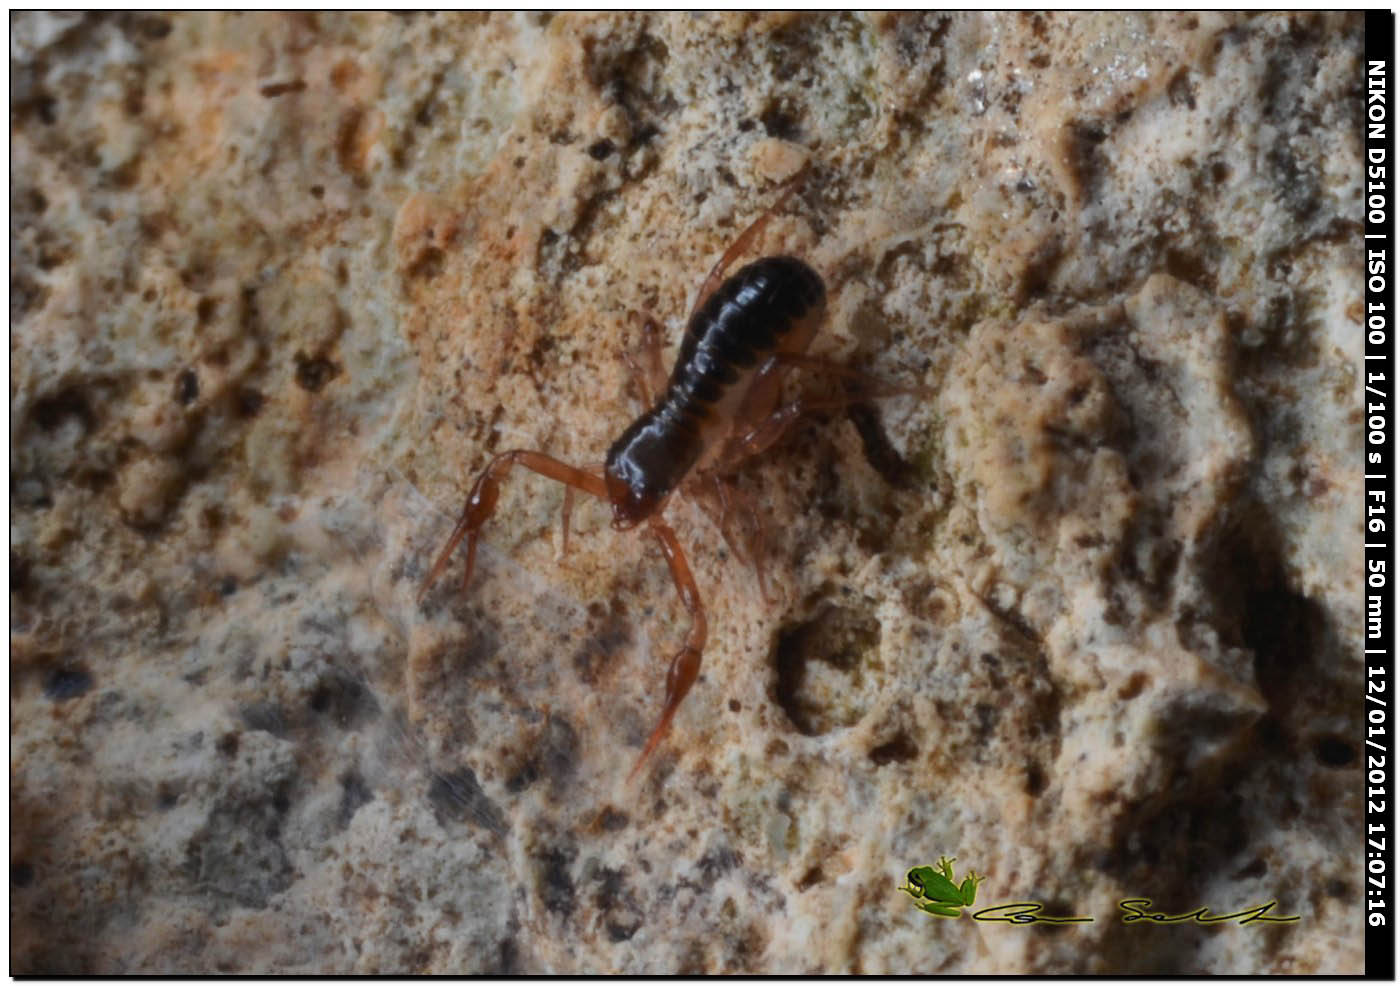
[(719, 406)]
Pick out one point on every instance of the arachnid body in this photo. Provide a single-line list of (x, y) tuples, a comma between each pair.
[(719, 406)]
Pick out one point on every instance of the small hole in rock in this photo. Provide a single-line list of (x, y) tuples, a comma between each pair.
[(51, 412), (837, 637), (247, 402), (898, 750), (154, 28), (21, 874), (19, 573), (1333, 751), (187, 387), (1035, 779), (1258, 867), (313, 373)]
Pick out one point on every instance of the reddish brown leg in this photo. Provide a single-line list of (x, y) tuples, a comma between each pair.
[(569, 508), (651, 350), (763, 430), (649, 376), (753, 535), (481, 503), (685, 666), (764, 434), (718, 486), (756, 541), (742, 243)]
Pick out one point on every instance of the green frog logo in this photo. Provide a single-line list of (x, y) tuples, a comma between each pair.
[(935, 891)]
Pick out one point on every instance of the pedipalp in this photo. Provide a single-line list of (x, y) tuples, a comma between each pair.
[(481, 504)]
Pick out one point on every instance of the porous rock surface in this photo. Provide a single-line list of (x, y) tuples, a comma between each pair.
[(1083, 614)]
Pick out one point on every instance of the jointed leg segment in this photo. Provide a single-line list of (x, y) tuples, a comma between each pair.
[(481, 503), (649, 376), (760, 431), (685, 666), (741, 243), (750, 524)]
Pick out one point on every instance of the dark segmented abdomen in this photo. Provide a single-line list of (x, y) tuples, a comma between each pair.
[(746, 320), (741, 323)]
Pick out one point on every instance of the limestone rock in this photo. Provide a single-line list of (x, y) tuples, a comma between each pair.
[(1086, 620)]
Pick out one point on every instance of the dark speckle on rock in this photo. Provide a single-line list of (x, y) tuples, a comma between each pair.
[(187, 387), (248, 402), (717, 862), (264, 717), (238, 855), (612, 820), (556, 886), (62, 684), (314, 372), (19, 573), (21, 874), (618, 932), (345, 699), (354, 794), (458, 797)]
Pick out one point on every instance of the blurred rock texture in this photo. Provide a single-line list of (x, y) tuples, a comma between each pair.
[(1088, 619)]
